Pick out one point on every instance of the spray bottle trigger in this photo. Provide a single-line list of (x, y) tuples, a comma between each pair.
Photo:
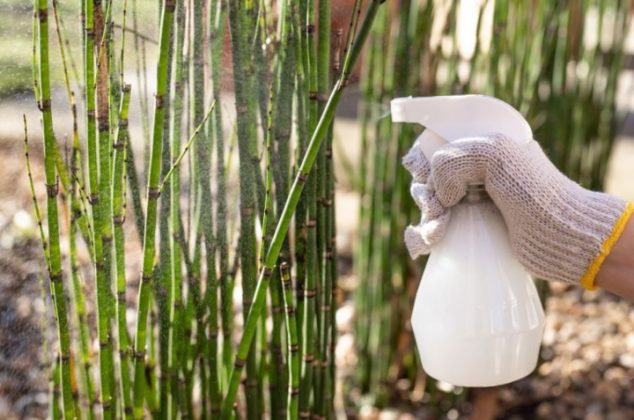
[(429, 142)]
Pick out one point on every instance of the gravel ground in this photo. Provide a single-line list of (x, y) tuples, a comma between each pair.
[(588, 361), (23, 359)]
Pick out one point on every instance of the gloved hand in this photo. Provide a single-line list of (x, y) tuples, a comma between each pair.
[(558, 230)]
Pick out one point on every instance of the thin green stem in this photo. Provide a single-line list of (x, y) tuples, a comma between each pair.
[(292, 342), (149, 231), (52, 188), (242, 30), (118, 218)]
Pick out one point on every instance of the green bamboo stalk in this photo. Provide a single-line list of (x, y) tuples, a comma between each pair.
[(201, 161), (279, 130), (218, 25), (151, 388), (323, 219), (293, 345), (78, 291), (163, 291), (298, 18), (151, 209), (242, 29), (203, 154), (291, 203), (134, 190), (331, 381), (268, 217), (64, 178), (105, 358), (118, 217), (101, 200), (312, 268), (177, 307), (55, 260), (193, 276)]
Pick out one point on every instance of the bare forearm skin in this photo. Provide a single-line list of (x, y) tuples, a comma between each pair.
[(616, 275)]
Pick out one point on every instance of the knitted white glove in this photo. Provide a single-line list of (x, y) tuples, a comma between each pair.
[(558, 230)]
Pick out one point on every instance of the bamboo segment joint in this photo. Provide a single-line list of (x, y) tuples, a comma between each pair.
[(42, 14), (52, 190), (153, 193), (318, 96), (55, 277), (160, 100), (45, 105)]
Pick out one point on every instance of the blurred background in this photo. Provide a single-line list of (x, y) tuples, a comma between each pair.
[(567, 66)]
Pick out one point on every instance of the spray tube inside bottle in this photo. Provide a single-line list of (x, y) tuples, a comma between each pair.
[(477, 318)]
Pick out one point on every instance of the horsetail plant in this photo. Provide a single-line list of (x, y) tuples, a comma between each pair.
[(149, 230), (242, 31), (291, 203), (177, 361), (118, 218), (52, 190)]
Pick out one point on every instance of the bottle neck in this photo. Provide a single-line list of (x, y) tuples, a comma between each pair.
[(476, 193)]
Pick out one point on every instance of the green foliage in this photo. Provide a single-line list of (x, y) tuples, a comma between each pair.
[(183, 359)]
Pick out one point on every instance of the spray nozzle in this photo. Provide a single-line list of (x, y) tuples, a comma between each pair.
[(448, 118)]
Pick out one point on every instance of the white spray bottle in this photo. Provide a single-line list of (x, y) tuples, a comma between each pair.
[(477, 317)]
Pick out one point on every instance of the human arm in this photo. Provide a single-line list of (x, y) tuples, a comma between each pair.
[(616, 275), (558, 230)]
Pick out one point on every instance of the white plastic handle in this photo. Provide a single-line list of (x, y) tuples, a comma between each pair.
[(454, 117)]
